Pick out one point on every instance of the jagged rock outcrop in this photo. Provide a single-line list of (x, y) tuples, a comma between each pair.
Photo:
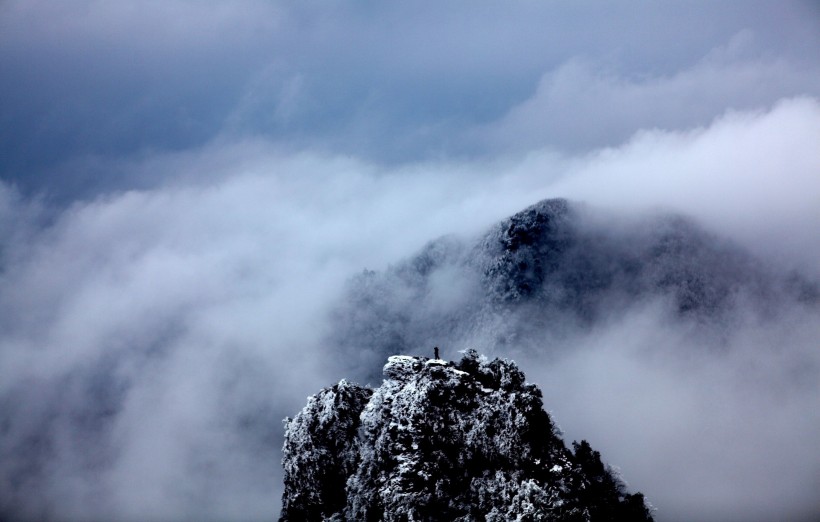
[(443, 441)]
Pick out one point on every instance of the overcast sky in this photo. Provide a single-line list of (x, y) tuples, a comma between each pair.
[(186, 185)]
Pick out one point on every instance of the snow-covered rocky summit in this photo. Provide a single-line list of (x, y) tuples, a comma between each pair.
[(443, 441)]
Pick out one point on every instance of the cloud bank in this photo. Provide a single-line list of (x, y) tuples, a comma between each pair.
[(153, 339), (179, 212)]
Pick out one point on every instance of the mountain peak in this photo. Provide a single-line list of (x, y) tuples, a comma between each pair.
[(443, 440)]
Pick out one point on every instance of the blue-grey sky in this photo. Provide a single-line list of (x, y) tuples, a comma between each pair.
[(186, 186), (87, 84)]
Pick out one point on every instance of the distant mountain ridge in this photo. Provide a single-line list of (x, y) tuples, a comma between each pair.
[(550, 267), (467, 441)]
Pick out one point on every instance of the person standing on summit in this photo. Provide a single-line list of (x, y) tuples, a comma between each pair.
[(435, 351)]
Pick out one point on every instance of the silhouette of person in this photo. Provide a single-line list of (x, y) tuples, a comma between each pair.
[(435, 351)]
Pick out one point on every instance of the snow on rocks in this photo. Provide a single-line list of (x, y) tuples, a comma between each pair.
[(442, 441)]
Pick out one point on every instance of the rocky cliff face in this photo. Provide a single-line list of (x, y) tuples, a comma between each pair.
[(443, 441)]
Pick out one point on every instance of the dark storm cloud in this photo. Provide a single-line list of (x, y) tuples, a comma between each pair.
[(87, 82), (85, 78)]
